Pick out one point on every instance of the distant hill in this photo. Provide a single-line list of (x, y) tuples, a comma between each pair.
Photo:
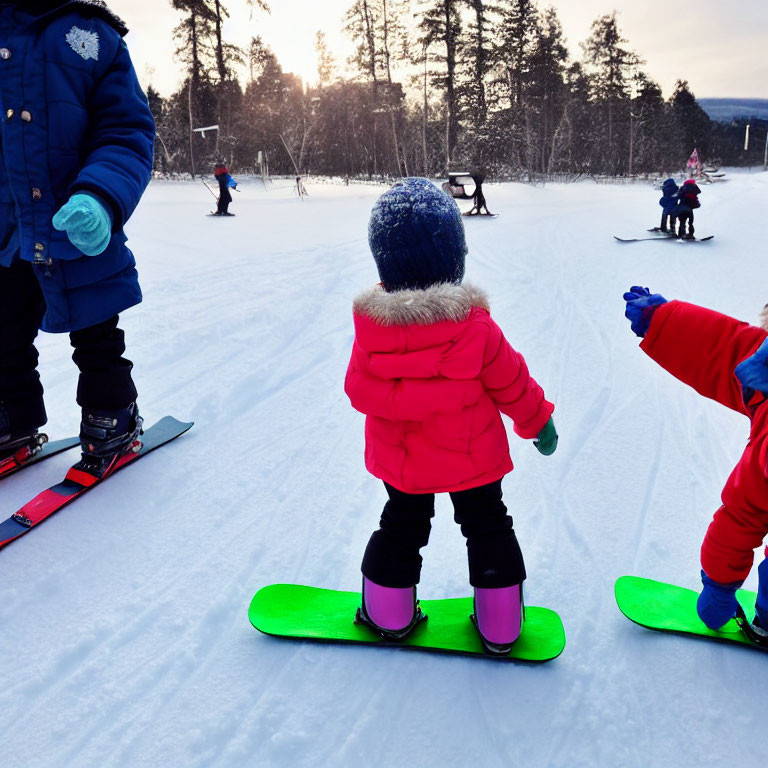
[(725, 110)]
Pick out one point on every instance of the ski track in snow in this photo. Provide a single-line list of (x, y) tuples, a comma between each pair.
[(125, 639)]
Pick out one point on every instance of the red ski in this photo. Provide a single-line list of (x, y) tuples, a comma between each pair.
[(77, 482), (28, 455)]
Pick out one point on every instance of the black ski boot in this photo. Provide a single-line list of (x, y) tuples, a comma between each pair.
[(105, 436), (22, 447)]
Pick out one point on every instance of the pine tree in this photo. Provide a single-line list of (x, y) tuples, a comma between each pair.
[(193, 35), (613, 66), (441, 28), (546, 91), (478, 48), (517, 34), (692, 124), (325, 62)]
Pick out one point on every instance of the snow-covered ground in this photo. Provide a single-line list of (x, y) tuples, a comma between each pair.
[(124, 637)]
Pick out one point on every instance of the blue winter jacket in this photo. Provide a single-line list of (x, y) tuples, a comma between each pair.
[(669, 199), (74, 118)]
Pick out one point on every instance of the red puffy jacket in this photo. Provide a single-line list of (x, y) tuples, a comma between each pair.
[(432, 372), (701, 348)]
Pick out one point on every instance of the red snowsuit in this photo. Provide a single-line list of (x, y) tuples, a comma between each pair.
[(432, 372), (701, 348)]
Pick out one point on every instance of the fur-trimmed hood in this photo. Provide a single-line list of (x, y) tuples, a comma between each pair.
[(87, 7), (436, 304)]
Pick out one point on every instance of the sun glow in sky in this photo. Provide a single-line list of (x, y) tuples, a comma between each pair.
[(717, 47)]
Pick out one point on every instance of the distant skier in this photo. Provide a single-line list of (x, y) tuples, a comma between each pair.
[(77, 138), (688, 202), (725, 360), (668, 203), (478, 198), (226, 182), (433, 372)]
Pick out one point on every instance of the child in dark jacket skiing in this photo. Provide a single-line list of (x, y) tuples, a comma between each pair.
[(433, 373), (226, 182), (76, 145), (668, 203), (688, 202), (726, 360)]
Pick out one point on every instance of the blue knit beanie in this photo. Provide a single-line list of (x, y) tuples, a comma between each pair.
[(417, 236)]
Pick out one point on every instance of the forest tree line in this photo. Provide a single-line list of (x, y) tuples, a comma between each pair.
[(433, 85)]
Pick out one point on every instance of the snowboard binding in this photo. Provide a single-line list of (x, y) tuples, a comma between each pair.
[(752, 629), (397, 611), (389, 634)]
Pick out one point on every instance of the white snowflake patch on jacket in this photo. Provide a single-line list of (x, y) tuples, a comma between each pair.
[(84, 43)]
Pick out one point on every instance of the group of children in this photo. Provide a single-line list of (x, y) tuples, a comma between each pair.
[(430, 368), (678, 205)]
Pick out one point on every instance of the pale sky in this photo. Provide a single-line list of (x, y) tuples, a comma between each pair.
[(717, 46)]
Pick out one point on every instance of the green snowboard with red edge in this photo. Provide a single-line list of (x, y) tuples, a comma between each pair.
[(310, 613)]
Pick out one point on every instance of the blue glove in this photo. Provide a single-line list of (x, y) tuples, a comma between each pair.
[(717, 602), (641, 304), (761, 604), (753, 372), (231, 183), (87, 222)]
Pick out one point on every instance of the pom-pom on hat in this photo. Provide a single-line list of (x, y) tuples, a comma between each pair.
[(417, 236)]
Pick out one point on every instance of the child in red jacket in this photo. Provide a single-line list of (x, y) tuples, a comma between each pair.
[(433, 373), (726, 360)]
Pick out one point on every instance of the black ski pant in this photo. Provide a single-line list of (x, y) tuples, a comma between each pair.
[(225, 198), (668, 222), (105, 381), (392, 556), (683, 218)]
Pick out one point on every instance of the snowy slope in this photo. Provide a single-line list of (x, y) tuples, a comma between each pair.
[(124, 638)]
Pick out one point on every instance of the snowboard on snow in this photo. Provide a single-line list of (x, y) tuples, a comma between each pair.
[(77, 482), (669, 608), (310, 613), (21, 459)]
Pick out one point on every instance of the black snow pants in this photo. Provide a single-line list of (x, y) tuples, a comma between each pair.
[(105, 381), (225, 198), (683, 218), (392, 556)]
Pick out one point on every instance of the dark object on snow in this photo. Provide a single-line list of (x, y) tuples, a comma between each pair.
[(688, 201), (456, 186), (226, 182), (668, 202)]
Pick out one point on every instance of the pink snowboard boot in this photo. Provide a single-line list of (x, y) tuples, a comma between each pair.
[(392, 612), (499, 617)]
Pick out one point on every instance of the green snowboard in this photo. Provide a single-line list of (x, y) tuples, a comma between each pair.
[(310, 613), (668, 608)]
